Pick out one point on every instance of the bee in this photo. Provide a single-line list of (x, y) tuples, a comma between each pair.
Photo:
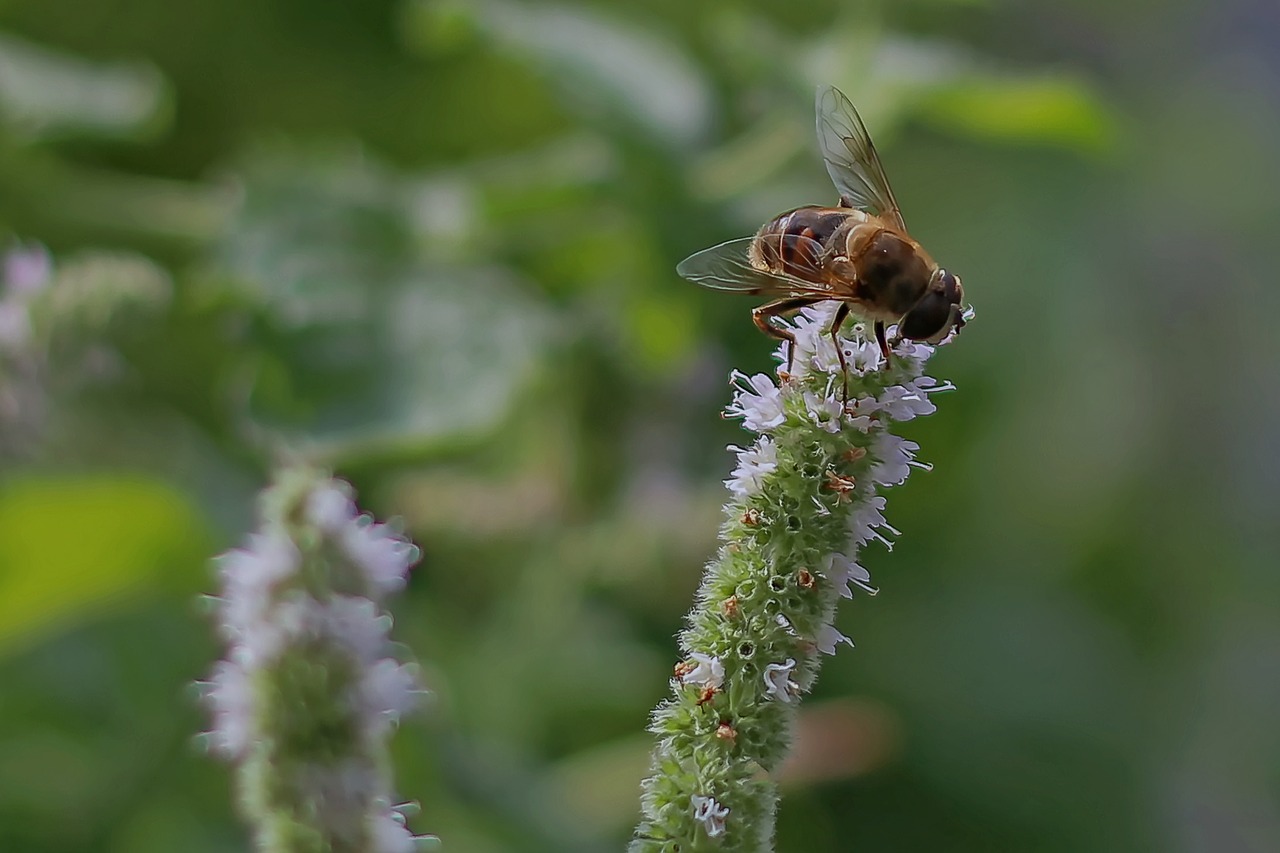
[(858, 253)]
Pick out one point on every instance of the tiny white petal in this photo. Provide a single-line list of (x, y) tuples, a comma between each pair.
[(844, 574), (388, 691), (380, 552), (390, 835), (904, 402), (709, 672), (825, 412), (778, 683), (709, 813), (757, 401), (229, 694), (894, 457), (249, 575), (867, 516), (753, 464), (358, 625), (330, 506), (829, 638)]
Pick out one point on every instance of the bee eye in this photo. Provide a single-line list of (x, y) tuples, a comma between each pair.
[(930, 318)]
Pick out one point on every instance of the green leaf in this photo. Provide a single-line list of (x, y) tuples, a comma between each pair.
[(1053, 109), (44, 93), (74, 547), (377, 351)]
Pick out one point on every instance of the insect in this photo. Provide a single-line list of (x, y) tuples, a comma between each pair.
[(858, 254)]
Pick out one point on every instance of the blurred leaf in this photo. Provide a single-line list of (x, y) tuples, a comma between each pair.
[(72, 546), (1054, 109), (44, 93), (378, 350), (601, 61), (94, 292), (441, 357)]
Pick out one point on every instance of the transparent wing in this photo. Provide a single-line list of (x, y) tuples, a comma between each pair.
[(851, 159), (728, 267)]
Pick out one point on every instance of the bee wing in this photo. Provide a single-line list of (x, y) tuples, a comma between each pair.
[(851, 159), (728, 267)]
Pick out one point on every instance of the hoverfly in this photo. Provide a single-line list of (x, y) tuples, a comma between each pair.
[(858, 254)]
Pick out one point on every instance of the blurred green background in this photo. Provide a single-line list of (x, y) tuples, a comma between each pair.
[(432, 244)]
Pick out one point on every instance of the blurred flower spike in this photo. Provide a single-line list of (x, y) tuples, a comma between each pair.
[(307, 697), (803, 501)]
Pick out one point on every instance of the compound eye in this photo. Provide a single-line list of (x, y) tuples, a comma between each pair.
[(930, 319)]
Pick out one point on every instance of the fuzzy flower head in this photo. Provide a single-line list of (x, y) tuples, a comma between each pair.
[(309, 693), (806, 496)]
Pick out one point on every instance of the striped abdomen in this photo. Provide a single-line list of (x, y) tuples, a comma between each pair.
[(795, 243)]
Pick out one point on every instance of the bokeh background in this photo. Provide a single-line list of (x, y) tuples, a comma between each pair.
[(431, 243)]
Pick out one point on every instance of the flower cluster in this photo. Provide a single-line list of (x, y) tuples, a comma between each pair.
[(307, 696), (25, 274), (804, 498)]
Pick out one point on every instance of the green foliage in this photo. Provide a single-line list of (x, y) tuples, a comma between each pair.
[(73, 548)]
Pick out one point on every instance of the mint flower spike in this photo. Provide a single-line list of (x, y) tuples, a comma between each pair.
[(803, 501), (308, 695)]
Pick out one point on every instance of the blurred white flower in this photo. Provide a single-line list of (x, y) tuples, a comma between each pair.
[(380, 551), (330, 506), (305, 656)]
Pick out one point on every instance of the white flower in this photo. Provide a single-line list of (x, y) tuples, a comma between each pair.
[(753, 464), (330, 506), (249, 575), (388, 690), (380, 551), (230, 697), (357, 625), (709, 813), (778, 683), (866, 517), (815, 351), (757, 401), (863, 356), (895, 458), (904, 402), (27, 268), (825, 412), (842, 571), (286, 622), (708, 672), (829, 638)]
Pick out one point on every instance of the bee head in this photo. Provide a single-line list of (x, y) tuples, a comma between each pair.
[(937, 312)]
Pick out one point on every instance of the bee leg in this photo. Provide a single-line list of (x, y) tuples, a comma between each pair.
[(884, 345), (760, 316), (836, 322)]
